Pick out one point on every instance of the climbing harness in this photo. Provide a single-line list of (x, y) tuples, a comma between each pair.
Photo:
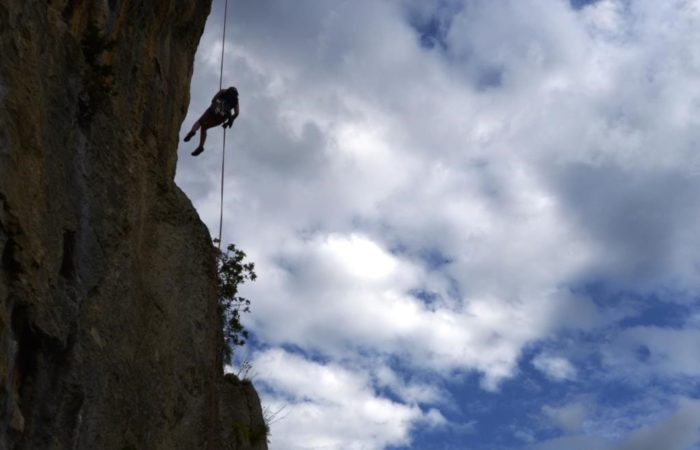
[(223, 149), (219, 108)]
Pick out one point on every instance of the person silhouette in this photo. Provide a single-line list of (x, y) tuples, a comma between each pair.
[(218, 112)]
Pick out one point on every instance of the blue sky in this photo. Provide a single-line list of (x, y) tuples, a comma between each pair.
[(474, 222)]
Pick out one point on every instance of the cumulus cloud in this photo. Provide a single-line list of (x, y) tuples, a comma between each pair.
[(409, 391), (554, 367), (342, 302), (329, 406)]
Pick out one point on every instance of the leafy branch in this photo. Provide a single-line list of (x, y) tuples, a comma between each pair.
[(233, 271)]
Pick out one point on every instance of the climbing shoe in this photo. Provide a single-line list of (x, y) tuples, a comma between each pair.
[(189, 136), (197, 151)]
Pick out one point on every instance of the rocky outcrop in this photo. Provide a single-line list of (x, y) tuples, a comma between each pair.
[(109, 328)]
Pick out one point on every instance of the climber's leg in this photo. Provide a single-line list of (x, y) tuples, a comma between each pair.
[(193, 131), (202, 139), (208, 120)]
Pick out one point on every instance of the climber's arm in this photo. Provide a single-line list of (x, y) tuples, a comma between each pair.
[(231, 118), (236, 111)]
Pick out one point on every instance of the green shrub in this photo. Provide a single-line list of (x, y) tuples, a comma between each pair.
[(233, 272)]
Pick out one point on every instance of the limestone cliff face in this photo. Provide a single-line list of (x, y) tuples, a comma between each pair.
[(109, 328)]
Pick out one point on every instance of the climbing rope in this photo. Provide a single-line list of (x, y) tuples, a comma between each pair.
[(223, 149)]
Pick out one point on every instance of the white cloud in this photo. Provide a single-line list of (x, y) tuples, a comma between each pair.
[(339, 308), (419, 392), (329, 406), (360, 257), (606, 16), (555, 367)]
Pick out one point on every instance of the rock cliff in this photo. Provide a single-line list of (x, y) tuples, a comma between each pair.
[(109, 327)]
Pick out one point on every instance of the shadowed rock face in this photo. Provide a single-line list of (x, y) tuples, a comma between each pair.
[(109, 329)]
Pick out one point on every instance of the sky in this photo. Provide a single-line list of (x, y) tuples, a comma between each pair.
[(474, 222)]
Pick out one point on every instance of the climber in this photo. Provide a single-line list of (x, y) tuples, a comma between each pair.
[(219, 112)]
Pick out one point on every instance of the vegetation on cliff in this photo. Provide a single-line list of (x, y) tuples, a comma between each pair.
[(233, 271)]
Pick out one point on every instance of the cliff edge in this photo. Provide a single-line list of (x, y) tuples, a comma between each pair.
[(110, 332)]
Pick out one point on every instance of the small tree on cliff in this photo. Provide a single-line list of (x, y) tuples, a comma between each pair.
[(233, 272)]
